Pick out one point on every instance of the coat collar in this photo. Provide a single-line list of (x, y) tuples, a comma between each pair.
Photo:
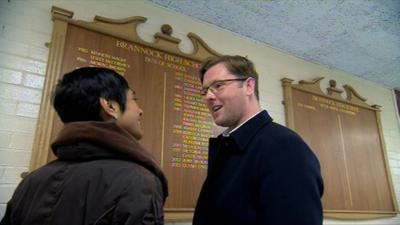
[(248, 130), (238, 140), (98, 139)]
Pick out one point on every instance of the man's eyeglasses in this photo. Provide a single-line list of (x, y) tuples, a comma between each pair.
[(218, 86)]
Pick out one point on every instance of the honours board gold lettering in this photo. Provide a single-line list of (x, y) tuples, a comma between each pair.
[(176, 122), (347, 139)]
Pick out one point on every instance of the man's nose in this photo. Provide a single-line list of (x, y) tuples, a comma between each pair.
[(209, 95)]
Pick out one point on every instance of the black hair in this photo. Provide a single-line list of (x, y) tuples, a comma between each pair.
[(77, 95)]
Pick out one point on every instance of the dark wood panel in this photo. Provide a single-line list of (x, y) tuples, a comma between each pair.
[(320, 128), (346, 139), (369, 183)]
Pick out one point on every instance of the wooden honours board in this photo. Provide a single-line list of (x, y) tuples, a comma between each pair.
[(176, 122), (346, 136)]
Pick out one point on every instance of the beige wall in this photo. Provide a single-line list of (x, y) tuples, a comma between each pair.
[(26, 27)]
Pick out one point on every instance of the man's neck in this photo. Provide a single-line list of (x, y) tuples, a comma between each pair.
[(248, 117)]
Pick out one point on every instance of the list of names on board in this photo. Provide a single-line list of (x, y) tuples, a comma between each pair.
[(195, 127)]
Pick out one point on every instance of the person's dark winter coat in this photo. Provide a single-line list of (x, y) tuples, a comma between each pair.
[(102, 176)]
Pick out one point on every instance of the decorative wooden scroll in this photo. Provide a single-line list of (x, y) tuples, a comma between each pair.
[(176, 123), (346, 135)]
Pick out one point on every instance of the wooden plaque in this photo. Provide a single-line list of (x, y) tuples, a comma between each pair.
[(176, 122), (346, 136)]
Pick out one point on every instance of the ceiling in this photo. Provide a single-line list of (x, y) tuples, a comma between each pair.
[(361, 37)]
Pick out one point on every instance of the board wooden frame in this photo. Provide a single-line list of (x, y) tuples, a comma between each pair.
[(353, 99)]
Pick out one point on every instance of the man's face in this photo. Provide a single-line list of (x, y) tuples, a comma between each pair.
[(226, 100), (130, 118)]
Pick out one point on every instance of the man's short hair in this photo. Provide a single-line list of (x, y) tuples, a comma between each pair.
[(77, 94), (239, 66)]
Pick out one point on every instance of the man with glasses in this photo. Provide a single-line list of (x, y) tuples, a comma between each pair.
[(259, 172)]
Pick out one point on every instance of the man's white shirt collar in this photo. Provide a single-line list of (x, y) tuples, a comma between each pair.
[(227, 132)]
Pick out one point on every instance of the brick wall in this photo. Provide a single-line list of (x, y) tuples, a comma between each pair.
[(22, 68)]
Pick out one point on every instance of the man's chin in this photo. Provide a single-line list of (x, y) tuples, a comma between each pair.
[(219, 122)]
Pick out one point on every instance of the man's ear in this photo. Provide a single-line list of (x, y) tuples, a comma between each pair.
[(250, 86), (109, 109)]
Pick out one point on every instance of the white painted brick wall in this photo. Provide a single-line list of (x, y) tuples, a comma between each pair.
[(5, 192), (7, 106), (17, 124), (25, 27), (17, 158), (19, 93), (12, 175), (10, 76)]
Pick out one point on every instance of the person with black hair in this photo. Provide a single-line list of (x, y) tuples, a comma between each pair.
[(102, 175)]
